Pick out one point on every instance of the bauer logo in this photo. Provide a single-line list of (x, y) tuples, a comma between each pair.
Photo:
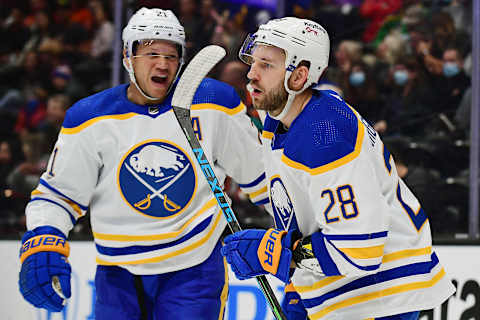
[(157, 178), (282, 205)]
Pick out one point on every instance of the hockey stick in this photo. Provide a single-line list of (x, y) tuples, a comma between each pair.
[(193, 74)]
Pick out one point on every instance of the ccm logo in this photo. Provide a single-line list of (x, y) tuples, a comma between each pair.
[(270, 247)]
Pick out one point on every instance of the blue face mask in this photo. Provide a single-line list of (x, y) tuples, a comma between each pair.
[(450, 69), (400, 77), (357, 78)]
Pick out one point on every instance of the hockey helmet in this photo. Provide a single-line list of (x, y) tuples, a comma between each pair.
[(300, 39), (152, 24)]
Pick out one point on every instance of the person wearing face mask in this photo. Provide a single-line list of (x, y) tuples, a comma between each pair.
[(409, 98), (361, 91), (453, 81)]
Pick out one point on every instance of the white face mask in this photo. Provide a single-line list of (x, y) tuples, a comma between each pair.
[(357, 78), (450, 69), (400, 77)]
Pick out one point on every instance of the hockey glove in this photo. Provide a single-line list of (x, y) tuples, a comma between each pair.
[(256, 252), (292, 304), (43, 256)]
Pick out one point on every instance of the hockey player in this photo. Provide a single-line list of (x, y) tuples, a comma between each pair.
[(349, 234), (122, 155)]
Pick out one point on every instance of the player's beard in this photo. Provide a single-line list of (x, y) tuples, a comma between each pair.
[(274, 101)]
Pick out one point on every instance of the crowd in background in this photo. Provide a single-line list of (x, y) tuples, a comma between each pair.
[(405, 65)]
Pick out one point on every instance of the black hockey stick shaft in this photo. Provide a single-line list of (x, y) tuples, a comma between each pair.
[(183, 117)]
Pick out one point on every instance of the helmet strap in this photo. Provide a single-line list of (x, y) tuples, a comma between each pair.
[(291, 96)]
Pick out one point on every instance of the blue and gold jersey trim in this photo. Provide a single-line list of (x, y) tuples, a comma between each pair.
[(332, 165), (163, 236), (212, 106), (88, 123), (414, 269), (109, 251), (157, 258)]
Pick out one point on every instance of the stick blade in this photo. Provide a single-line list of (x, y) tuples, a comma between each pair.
[(194, 73)]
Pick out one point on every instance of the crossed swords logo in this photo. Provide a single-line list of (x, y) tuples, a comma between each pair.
[(145, 203)]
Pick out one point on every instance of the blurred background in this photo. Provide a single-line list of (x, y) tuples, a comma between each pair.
[(405, 65)]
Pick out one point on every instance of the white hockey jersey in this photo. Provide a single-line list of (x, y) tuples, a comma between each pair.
[(330, 174), (151, 208)]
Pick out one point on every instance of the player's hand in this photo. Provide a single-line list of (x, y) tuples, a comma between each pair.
[(256, 252), (292, 304), (45, 274)]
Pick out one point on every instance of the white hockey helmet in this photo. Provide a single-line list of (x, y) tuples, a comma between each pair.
[(301, 40), (152, 24)]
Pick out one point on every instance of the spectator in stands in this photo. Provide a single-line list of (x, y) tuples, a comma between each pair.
[(57, 106), (102, 42), (80, 14), (32, 113), (375, 13), (11, 204), (361, 91), (13, 30), (189, 18), (453, 82), (346, 52), (410, 101), (24, 178)]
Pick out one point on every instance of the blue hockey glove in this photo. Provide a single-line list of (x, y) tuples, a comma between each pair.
[(256, 252), (292, 304), (43, 256)]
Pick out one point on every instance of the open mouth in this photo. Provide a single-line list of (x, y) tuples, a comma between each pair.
[(160, 79), (253, 90)]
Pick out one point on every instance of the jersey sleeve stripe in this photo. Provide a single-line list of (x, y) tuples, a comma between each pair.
[(212, 106), (329, 267), (110, 251), (349, 259), (364, 253), (127, 238), (366, 236), (406, 254), (386, 157), (319, 284), (383, 293), (36, 193), (334, 164), (382, 276), (418, 218), (258, 192), (45, 184), (403, 254), (166, 256), (263, 201), (422, 268), (254, 182), (72, 218), (267, 134), (88, 123)]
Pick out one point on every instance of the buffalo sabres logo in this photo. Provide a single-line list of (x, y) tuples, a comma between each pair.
[(282, 205), (157, 178)]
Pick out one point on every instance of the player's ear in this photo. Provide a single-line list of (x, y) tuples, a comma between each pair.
[(299, 77), (126, 63)]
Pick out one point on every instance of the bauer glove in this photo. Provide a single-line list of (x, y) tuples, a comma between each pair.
[(45, 274), (256, 252)]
